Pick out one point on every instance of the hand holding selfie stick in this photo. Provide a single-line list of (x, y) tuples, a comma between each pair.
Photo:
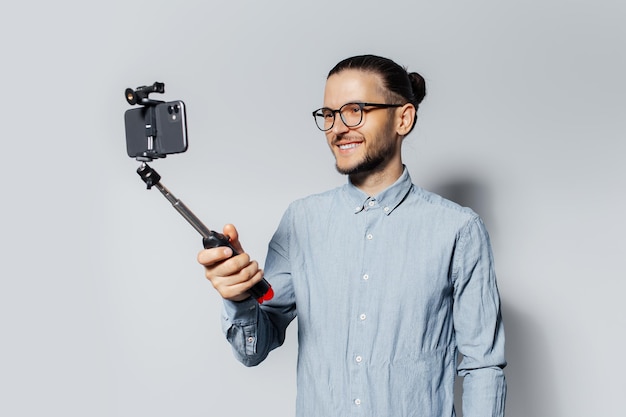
[(261, 291), (156, 130)]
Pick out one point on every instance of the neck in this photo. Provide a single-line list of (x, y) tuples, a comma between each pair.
[(373, 182)]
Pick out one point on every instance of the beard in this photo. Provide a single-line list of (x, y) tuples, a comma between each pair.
[(372, 161), (375, 159)]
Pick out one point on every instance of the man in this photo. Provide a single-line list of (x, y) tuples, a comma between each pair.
[(389, 282)]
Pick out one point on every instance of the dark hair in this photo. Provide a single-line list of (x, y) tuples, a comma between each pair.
[(401, 84)]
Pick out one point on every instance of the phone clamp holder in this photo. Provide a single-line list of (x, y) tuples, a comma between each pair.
[(140, 96)]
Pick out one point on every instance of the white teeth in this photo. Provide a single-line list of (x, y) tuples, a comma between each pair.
[(348, 146)]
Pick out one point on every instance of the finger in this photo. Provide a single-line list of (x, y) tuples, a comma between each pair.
[(232, 270), (209, 257), (238, 270), (232, 288)]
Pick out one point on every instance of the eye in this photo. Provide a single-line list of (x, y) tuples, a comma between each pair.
[(326, 113), (353, 108)]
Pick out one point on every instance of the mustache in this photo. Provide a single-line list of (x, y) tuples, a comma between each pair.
[(349, 137)]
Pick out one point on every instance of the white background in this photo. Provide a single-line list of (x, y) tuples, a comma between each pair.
[(103, 308)]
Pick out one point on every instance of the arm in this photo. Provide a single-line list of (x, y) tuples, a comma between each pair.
[(252, 330), (478, 324)]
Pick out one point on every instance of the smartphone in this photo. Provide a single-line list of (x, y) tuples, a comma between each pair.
[(170, 120)]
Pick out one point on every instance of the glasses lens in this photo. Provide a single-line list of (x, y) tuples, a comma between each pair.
[(324, 118), (351, 114)]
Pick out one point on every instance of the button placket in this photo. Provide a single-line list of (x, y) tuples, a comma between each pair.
[(359, 348)]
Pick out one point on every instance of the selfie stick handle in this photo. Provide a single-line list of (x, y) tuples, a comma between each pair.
[(261, 291)]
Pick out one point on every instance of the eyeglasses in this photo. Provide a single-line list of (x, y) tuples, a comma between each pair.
[(351, 114)]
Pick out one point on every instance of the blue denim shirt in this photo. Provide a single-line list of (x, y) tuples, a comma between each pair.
[(387, 290)]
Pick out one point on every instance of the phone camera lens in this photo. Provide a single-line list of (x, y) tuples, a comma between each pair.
[(170, 109)]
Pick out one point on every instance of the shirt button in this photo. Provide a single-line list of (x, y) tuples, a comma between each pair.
[(362, 316), (370, 236), (366, 277), (250, 339), (358, 359), (386, 209), (357, 402), (371, 203)]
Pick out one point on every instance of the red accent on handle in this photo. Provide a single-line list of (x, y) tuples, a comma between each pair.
[(267, 296)]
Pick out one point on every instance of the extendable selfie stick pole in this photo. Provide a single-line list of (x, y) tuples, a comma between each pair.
[(261, 291)]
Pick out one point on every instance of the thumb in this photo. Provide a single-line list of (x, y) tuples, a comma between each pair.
[(233, 236)]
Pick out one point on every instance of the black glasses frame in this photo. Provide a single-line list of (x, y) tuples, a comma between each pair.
[(362, 106)]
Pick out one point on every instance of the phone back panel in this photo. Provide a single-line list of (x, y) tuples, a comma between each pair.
[(171, 130)]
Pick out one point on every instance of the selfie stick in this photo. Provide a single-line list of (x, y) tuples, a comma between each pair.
[(261, 291)]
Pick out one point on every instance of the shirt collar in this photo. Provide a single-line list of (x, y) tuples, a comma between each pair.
[(388, 199)]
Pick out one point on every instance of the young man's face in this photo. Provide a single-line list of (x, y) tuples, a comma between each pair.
[(372, 144)]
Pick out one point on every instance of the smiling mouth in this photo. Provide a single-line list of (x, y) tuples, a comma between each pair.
[(348, 146)]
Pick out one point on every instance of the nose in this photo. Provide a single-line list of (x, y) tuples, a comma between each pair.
[(339, 126)]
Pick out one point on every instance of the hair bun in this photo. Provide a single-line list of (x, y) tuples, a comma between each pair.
[(419, 86)]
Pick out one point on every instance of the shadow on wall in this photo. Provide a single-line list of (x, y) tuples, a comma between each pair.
[(530, 380), (467, 192), (529, 374)]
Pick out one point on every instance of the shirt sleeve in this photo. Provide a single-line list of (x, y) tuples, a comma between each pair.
[(254, 329), (478, 324)]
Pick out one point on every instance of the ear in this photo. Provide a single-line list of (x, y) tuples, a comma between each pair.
[(406, 116)]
